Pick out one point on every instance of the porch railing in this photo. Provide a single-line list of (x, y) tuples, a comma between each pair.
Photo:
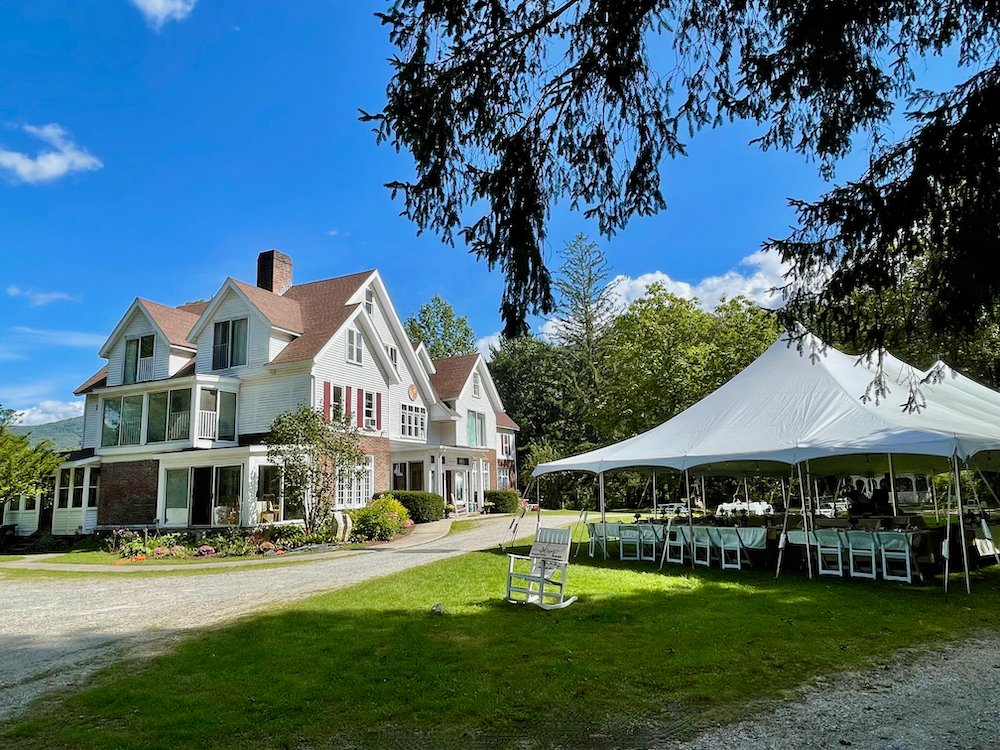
[(179, 426), (131, 429), (208, 424), (144, 371)]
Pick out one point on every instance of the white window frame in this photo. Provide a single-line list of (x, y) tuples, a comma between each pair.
[(355, 346), (503, 478), (230, 343), (355, 490), (393, 354), (477, 389), (476, 429), (370, 301), (413, 421), (370, 419)]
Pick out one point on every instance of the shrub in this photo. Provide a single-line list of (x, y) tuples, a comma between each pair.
[(504, 501), (422, 506), (380, 520)]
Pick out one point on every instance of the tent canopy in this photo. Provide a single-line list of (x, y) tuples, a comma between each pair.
[(809, 403)]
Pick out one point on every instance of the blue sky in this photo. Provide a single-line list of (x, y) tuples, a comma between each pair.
[(153, 147)]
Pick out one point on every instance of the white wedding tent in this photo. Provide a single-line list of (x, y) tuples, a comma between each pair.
[(791, 406)]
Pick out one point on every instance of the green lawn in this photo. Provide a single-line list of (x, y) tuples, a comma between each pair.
[(11, 558), (372, 666)]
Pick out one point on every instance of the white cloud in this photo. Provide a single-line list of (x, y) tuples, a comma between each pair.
[(158, 12), (486, 343), (765, 271), (37, 299), (62, 338), (337, 233), (48, 165), (9, 356), (50, 411), (29, 393)]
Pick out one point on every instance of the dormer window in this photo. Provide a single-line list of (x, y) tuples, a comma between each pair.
[(476, 387), (370, 301), (138, 360), (393, 354), (229, 345), (355, 346)]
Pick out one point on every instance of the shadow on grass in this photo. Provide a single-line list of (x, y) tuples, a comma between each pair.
[(372, 666)]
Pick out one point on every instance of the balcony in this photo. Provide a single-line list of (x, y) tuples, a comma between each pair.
[(179, 426), (208, 424), (144, 370)]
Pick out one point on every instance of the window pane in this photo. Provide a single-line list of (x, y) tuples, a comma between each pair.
[(239, 343), (227, 482), (112, 417), (131, 420), (208, 399), (146, 346), (220, 348), (176, 493), (179, 419), (131, 360), (156, 418), (227, 415), (95, 487)]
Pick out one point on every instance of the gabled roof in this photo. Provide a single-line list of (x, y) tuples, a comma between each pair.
[(452, 375), (505, 422), (324, 309), (281, 312), (98, 380), (174, 322)]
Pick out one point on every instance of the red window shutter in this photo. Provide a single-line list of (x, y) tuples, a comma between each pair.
[(361, 407), (378, 411), (326, 401), (347, 401)]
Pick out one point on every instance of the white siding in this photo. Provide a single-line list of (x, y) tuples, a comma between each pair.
[(91, 421), (466, 402), (276, 344), (262, 399), (178, 360), (138, 325), (332, 366), (258, 337), (397, 394)]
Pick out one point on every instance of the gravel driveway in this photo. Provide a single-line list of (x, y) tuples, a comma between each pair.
[(58, 631)]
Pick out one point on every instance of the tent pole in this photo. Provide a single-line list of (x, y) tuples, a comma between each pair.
[(654, 492), (961, 526), (937, 513), (805, 521), (538, 503), (703, 498), (600, 493), (784, 528), (687, 484), (892, 487), (746, 492), (946, 547)]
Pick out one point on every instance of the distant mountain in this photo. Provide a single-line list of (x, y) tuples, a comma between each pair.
[(67, 434)]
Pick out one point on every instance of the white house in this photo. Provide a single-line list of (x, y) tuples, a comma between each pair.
[(173, 424)]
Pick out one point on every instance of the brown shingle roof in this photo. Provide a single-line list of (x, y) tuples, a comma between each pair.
[(281, 312), (98, 380), (324, 310), (452, 375), (504, 420), (175, 323)]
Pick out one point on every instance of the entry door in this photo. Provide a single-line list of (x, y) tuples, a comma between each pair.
[(448, 497), (201, 496)]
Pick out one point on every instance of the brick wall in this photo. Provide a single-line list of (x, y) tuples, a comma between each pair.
[(491, 458), (379, 447), (128, 493)]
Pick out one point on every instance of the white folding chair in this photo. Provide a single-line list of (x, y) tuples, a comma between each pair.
[(648, 541), (540, 576), (829, 552), (598, 538), (730, 549), (675, 543), (702, 546), (862, 550), (629, 542), (894, 548)]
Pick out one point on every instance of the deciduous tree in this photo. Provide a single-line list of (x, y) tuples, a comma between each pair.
[(23, 468), (442, 332)]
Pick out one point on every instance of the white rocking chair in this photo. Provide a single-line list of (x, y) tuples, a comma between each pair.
[(540, 576)]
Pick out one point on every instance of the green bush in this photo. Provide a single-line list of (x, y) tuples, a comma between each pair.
[(504, 501), (380, 520), (422, 506)]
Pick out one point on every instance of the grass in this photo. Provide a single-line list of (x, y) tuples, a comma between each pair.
[(372, 666), (10, 558)]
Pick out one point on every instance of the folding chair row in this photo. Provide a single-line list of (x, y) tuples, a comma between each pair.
[(865, 552)]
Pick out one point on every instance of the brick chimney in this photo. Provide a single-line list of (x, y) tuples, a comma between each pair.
[(274, 271)]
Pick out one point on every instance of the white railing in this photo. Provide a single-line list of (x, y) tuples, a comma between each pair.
[(179, 426), (144, 371), (131, 429), (208, 424)]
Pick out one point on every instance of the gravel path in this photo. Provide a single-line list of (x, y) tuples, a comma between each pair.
[(56, 632), (947, 699)]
